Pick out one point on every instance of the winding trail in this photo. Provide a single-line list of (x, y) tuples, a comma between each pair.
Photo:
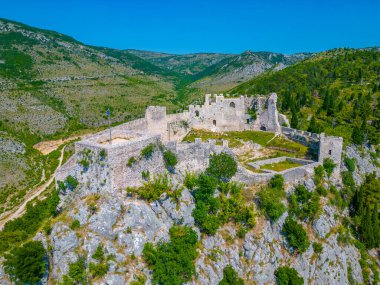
[(30, 196)]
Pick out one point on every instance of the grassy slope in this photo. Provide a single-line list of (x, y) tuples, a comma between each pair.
[(52, 85)]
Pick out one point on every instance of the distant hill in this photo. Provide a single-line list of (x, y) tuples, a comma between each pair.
[(234, 70), (187, 64)]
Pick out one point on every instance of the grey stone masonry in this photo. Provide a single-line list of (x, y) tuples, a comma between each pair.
[(112, 159)]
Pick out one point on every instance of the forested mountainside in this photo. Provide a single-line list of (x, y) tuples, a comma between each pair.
[(337, 92)]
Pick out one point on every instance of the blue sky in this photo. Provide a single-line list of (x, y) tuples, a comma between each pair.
[(206, 26)]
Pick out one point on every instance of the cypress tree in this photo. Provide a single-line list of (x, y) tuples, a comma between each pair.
[(357, 135), (294, 120), (366, 230), (313, 126), (376, 225)]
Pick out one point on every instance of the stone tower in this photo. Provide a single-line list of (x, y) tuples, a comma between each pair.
[(330, 147)]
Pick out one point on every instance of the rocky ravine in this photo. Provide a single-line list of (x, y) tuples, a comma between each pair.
[(123, 224)]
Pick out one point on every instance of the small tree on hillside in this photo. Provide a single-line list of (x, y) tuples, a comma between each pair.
[(26, 264), (286, 275), (222, 166), (230, 277)]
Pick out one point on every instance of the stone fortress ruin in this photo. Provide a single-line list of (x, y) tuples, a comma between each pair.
[(112, 164)]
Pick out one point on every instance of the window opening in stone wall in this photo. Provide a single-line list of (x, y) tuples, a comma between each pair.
[(196, 113), (232, 105), (330, 151), (214, 122)]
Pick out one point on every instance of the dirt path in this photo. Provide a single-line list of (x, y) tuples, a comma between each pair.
[(46, 147), (30, 196)]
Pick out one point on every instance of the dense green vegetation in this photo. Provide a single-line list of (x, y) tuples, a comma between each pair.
[(222, 166), (17, 231), (270, 198), (230, 277), (153, 188), (147, 151), (26, 264), (210, 211), (100, 268), (340, 88), (173, 262), (170, 160), (77, 273), (288, 276), (365, 211), (295, 235), (304, 204)]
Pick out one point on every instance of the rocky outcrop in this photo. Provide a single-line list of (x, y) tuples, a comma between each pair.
[(64, 242), (364, 163)]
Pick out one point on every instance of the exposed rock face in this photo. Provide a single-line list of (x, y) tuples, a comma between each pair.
[(325, 222), (64, 242), (364, 164)]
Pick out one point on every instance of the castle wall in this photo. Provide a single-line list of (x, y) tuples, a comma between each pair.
[(217, 114), (267, 114), (220, 114)]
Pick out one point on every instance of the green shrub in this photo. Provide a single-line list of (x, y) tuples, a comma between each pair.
[(145, 174), (77, 272), (85, 163), (154, 188), (252, 113), (102, 154), (141, 280), (318, 174), (99, 269), (131, 161), (205, 219), (349, 163), (99, 253), (230, 277), (277, 182), (304, 204), (170, 159), (337, 198), (26, 264), (348, 179), (317, 247), (61, 186), (232, 187), (288, 276), (71, 182), (295, 235), (234, 209), (190, 180), (328, 165), (147, 151), (270, 198), (172, 263), (206, 205), (75, 225), (321, 190), (222, 166)]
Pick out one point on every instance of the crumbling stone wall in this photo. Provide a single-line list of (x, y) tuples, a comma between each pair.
[(217, 114)]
